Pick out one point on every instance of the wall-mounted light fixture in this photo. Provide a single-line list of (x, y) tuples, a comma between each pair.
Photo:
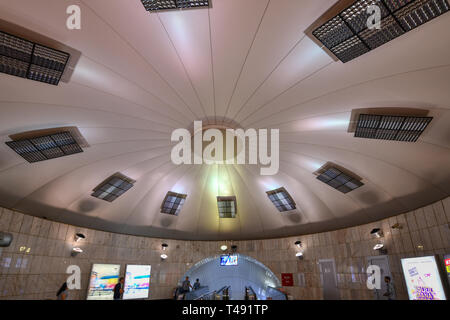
[(377, 233), (397, 226), (164, 246), (5, 239), (79, 237), (299, 245), (380, 247), (223, 247), (164, 256), (76, 251), (234, 248)]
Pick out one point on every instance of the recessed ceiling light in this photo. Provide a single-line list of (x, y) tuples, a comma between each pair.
[(335, 177), (346, 35), (158, 5), (113, 187), (227, 207), (281, 199), (390, 127), (45, 147), (26, 59), (173, 202)]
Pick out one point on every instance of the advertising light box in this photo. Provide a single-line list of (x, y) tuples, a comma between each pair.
[(229, 260), (137, 282), (103, 279), (423, 279)]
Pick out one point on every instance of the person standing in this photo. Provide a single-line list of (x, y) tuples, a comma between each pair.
[(63, 292), (118, 289), (197, 284), (186, 285), (389, 288)]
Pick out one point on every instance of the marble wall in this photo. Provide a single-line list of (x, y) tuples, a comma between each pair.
[(34, 266)]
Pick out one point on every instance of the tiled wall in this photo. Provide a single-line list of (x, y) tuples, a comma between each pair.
[(34, 266)]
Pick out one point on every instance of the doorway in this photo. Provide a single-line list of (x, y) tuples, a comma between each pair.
[(327, 268)]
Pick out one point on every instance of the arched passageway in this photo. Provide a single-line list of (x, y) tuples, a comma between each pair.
[(247, 272)]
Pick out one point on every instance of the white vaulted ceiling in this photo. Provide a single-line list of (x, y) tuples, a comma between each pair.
[(141, 75)]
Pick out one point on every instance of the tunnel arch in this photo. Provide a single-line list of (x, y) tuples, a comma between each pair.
[(248, 272)]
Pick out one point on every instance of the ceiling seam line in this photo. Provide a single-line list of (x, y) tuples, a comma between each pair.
[(142, 57), (86, 165), (91, 109), (125, 99), (354, 85), (81, 196), (371, 157), (348, 195), (268, 76), (257, 211), (182, 63), (245, 59), (212, 66), (289, 88), (137, 85)]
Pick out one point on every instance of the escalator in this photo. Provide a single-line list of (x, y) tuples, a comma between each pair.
[(250, 294), (223, 293)]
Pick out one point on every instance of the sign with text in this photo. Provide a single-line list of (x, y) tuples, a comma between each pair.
[(447, 266), (423, 279), (287, 279)]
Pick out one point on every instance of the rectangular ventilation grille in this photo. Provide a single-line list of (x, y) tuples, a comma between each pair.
[(227, 207), (281, 199), (45, 147), (397, 128), (25, 59), (347, 35), (173, 202), (339, 180), (113, 187), (156, 5)]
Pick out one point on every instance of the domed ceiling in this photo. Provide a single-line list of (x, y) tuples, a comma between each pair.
[(142, 75)]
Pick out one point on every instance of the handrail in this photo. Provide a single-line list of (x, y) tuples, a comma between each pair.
[(206, 294), (213, 293), (280, 294)]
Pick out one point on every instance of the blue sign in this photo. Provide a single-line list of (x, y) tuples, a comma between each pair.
[(229, 260)]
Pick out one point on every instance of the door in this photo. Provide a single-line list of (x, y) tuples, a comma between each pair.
[(383, 263), (327, 269)]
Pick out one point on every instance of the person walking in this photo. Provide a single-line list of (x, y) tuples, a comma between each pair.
[(118, 289), (197, 284), (63, 292), (390, 294), (186, 286)]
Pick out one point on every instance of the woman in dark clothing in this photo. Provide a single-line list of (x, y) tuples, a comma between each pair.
[(63, 292)]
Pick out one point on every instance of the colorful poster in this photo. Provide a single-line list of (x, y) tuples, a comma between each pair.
[(423, 279), (229, 260), (447, 266), (137, 282), (103, 279)]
